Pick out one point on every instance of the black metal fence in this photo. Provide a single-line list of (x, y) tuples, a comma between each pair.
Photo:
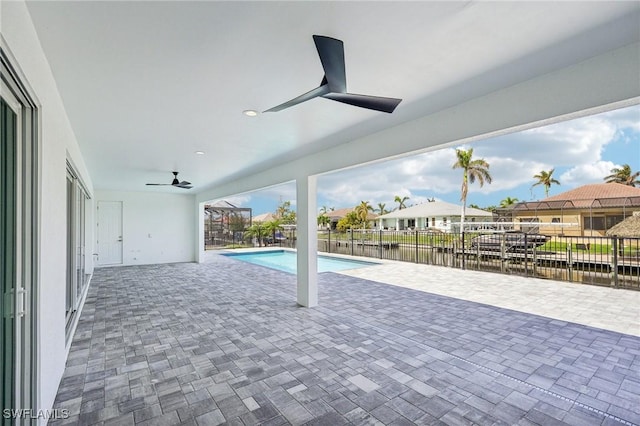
[(606, 261)]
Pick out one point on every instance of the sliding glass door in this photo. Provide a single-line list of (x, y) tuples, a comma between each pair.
[(18, 244), (8, 121)]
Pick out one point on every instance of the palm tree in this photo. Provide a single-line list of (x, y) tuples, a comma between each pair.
[(272, 227), (472, 170), (381, 208), (401, 201), (362, 211), (256, 230), (545, 178), (323, 220), (623, 175), (325, 209), (508, 202)]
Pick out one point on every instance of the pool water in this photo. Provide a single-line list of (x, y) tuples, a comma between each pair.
[(287, 261)]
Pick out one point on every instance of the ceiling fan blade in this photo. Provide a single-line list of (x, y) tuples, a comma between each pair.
[(159, 184), (377, 103), (183, 183), (318, 91), (331, 52), (183, 186)]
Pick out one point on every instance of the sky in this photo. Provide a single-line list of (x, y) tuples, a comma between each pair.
[(581, 151)]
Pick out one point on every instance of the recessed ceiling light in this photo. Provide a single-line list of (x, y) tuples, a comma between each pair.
[(250, 112), (199, 152)]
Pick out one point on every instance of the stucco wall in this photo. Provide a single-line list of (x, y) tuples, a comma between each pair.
[(58, 143), (157, 227)]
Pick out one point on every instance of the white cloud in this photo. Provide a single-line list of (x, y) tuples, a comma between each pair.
[(568, 144), (625, 118), (284, 192), (236, 200), (586, 173)]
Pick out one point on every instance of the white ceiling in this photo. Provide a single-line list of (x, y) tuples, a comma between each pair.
[(146, 84)]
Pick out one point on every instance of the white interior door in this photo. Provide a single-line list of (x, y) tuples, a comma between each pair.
[(109, 232)]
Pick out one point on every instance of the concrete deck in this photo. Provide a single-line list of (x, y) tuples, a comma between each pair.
[(602, 307), (224, 342)]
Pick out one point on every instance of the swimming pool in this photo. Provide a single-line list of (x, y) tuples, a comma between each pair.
[(286, 261)]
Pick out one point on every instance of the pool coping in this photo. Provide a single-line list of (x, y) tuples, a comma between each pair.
[(365, 259)]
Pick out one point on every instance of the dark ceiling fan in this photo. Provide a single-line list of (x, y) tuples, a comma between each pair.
[(184, 184), (334, 83)]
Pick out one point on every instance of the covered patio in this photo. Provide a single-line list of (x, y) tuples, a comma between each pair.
[(104, 103), (224, 342)]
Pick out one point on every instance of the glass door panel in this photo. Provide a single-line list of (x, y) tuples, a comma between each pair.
[(8, 148)]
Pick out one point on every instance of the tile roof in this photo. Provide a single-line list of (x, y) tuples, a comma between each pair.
[(340, 213), (595, 195), (596, 190), (264, 217)]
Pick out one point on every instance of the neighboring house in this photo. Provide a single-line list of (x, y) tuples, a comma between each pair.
[(592, 209), (264, 217), (432, 215), (336, 215)]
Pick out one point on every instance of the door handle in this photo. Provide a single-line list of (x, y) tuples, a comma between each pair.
[(119, 239), (22, 303)]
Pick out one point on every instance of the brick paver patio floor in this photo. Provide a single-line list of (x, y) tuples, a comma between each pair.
[(225, 342)]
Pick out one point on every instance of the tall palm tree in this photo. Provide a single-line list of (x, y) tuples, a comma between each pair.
[(400, 201), (362, 211), (472, 170), (508, 202), (623, 175), (381, 208), (545, 178)]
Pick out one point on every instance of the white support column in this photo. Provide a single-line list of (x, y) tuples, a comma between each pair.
[(199, 229), (307, 243)]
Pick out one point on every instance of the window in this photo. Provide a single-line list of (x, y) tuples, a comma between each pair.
[(555, 220), (444, 221), (76, 273), (613, 220), (433, 221), (594, 223)]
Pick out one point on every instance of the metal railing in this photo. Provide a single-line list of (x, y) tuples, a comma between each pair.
[(605, 261)]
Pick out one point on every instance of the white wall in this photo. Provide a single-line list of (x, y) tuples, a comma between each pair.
[(156, 227), (58, 143)]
